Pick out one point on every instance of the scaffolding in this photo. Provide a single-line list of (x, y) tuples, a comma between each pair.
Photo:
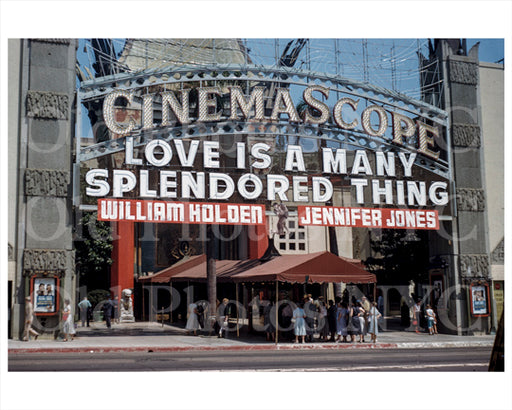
[(393, 64)]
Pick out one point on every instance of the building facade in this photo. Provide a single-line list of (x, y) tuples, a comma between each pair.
[(247, 120), (41, 137)]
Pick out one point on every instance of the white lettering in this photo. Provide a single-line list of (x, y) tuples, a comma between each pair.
[(337, 164), (186, 161), (211, 154), (277, 185), (294, 158), (319, 183), (256, 152), (166, 154), (100, 187), (361, 163), (124, 181)]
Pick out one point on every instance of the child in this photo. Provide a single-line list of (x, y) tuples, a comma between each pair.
[(431, 321)]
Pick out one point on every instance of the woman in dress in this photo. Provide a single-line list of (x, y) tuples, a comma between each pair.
[(67, 316), (362, 321), (299, 326), (355, 324), (193, 320), (342, 321), (373, 319), (268, 321), (323, 323)]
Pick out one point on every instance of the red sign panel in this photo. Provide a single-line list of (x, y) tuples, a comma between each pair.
[(110, 209), (384, 218)]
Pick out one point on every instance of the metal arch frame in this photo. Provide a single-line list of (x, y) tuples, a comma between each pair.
[(354, 139), (98, 88)]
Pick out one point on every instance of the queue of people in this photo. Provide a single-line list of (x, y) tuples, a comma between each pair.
[(196, 313), (337, 321), (343, 320), (354, 320)]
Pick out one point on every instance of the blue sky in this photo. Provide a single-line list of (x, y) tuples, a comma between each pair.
[(490, 50), (263, 51)]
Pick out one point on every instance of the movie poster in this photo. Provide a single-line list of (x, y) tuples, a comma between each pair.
[(44, 295), (479, 300)]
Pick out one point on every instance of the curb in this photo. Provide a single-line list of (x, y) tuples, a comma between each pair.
[(163, 349), (166, 349), (448, 345)]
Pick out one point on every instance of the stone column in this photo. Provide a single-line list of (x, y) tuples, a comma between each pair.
[(470, 226), (45, 141)]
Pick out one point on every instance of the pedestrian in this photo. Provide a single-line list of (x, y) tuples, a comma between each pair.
[(332, 315), (366, 306), (405, 319), (268, 321), (224, 312), (29, 318), (354, 326), (380, 303), (342, 322), (286, 314), (200, 314), (310, 310), (192, 319), (108, 306), (89, 315), (115, 309), (68, 328), (417, 316), (373, 319), (362, 321), (84, 306), (213, 317), (431, 320), (323, 324), (299, 324), (345, 296)]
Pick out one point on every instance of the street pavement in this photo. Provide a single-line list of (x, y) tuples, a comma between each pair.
[(155, 337)]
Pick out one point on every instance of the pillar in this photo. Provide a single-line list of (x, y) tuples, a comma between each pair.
[(258, 241), (122, 269), (41, 127), (462, 102)]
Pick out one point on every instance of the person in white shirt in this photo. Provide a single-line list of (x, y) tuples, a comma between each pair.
[(431, 320), (84, 305), (417, 316)]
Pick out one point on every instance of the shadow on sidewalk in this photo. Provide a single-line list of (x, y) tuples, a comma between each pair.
[(154, 329), (98, 329)]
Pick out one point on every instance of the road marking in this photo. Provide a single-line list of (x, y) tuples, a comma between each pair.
[(367, 368)]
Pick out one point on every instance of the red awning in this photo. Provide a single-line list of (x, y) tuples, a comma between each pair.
[(224, 270), (194, 269), (317, 267), (165, 275)]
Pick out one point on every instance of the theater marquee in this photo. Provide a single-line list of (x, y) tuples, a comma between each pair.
[(175, 156)]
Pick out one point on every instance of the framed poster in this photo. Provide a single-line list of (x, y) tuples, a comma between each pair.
[(479, 300), (436, 287), (499, 297), (44, 294)]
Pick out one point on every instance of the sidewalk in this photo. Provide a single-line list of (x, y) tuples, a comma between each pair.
[(153, 337)]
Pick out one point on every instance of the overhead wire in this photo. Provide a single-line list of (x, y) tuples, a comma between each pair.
[(386, 61)]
